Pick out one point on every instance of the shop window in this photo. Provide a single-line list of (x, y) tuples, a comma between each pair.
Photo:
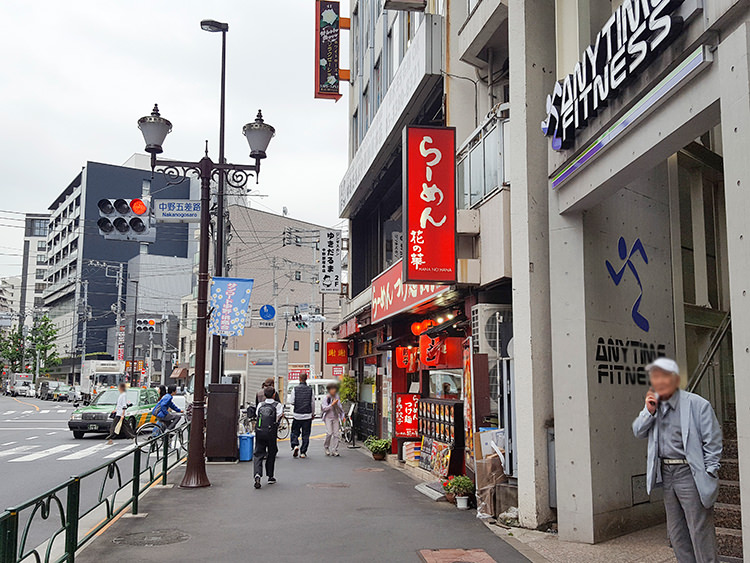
[(446, 384), (295, 345), (317, 346)]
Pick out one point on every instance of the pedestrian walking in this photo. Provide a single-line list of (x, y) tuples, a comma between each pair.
[(120, 425), (333, 412), (684, 450), (303, 404), (260, 397), (268, 414)]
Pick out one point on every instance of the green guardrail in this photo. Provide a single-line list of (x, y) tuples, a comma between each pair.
[(128, 474)]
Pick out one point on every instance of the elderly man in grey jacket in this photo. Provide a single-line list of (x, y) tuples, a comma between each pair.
[(684, 449)]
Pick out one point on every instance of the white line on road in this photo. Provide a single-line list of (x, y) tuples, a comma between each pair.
[(60, 410), (8, 444), (27, 412), (8, 412), (119, 452), (50, 433), (32, 437), (17, 450), (44, 453), (84, 453), (24, 428), (35, 421), (44, 411)]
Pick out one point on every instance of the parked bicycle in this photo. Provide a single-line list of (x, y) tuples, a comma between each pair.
[(347, 428), (246, 423)]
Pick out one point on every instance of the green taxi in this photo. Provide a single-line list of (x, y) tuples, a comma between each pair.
[(94, 417)]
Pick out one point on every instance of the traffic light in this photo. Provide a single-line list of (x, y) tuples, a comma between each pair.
[(126, 219), (300, 321), (145, 325)]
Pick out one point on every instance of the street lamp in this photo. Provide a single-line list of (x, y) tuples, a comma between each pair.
[(155, 130)]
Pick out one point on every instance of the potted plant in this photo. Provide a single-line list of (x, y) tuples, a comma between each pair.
[(450, 496), (462, 487), (348, 390), (378, 447)]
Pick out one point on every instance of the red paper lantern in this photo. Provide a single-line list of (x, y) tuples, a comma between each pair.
[(416, 329)]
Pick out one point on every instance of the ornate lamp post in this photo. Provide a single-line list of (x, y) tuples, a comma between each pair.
[(155, 130)]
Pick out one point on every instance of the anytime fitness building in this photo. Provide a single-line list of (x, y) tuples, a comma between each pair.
[(649, 207)]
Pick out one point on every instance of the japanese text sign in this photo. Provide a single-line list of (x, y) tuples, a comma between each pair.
[(407, 423), (327, 42), (229, 302), (391, 295), (430, 204), (330, 261), (177, 210), (337, 352)]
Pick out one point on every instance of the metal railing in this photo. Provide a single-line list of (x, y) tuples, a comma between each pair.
[(716, 340), (52, 526)]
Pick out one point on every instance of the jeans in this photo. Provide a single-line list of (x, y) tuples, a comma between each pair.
[(265, 450), (301, 427)]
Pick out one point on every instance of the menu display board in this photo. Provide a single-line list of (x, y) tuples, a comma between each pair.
[(441, 425)]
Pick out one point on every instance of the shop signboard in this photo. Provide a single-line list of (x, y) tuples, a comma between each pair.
[(229, 303), (392, 295), (327, 44), (296, 370), (440, 352), (330, 261), (430, 205), (468, 394), (338, 371), (407, 422), (633, 36), (337, 352)]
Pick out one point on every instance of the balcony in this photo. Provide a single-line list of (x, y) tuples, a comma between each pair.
[(419, 72), (485, 28)]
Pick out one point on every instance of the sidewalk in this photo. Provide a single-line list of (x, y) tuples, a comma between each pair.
[(322, 509)]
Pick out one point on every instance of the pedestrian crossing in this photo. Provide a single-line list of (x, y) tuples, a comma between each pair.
[(45, 411), (13, 452)]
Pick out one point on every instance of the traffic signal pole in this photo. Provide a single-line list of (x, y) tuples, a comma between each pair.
[(135, 319)]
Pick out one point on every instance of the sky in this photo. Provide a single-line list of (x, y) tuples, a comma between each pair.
[(77, 76)]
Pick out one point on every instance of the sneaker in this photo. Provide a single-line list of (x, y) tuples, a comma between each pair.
[(295, 451), (302, 456), (328, 452), (335, 454), (257, 481), (271, 480)]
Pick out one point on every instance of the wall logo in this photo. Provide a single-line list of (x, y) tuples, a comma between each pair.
[(627, 257)]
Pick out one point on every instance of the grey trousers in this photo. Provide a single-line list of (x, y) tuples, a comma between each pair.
[(689, 523), (333, 427)]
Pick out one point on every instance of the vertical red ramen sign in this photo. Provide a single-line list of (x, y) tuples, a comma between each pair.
[(430, 204)]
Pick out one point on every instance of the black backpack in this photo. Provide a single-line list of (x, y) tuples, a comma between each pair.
[(266, 424)]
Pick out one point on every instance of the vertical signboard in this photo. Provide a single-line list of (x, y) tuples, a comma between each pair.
[(330, 261), (430, 205), (327, 42), (229, 302), (407, 422)]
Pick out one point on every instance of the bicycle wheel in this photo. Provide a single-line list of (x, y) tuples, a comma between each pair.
[(145, 433), (346, 432), (284, 428)]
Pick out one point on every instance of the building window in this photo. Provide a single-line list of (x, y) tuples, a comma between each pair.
[(40, 274), (377, 79), (297, 275), (41, 245), (37, 228), (355, 133), (480, 166), (38, 301), (41, 259), (296, 345), (317, 346), (39, 287), (184, 310)]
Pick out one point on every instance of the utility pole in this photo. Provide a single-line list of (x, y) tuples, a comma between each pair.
[(275, 328), (150, 358), (322, 334), (164, 342), (135, 318)]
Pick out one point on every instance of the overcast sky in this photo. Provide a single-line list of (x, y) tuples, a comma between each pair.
[(77, 76)]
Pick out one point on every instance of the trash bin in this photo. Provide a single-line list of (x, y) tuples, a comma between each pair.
[(246, 446)]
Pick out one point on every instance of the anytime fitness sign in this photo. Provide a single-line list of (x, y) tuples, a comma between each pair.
[(631, 38)]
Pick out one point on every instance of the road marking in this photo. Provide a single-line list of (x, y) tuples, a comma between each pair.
[(32, 437), (84, 453), (34, 421), (27, 412), (62, 410), (27, 404), (44, 453), (44, 411), (50, 433), (8, 443), (8, 412), (119, 452), (25, 428), (17, 450)]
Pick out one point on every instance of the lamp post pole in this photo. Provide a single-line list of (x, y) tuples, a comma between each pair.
[(155, 130)]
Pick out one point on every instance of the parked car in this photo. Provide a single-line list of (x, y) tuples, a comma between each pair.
[(47, 389), (25, 389), (95, 417), (319, 392)]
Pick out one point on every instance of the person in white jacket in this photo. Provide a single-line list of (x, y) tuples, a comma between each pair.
[(684, 450)]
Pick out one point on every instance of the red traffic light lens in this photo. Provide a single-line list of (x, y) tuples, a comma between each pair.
[(152, 322), (138, 207)]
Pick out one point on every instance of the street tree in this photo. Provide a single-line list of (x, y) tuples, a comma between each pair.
[(41, 340), (12, 349)]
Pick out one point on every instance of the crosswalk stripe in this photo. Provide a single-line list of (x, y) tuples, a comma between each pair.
[(44, 453), (51, 433), (26, 412), (44, 411), (17, 450), (32, 437), (60, 410), (84, 453), (8, 412), (8, 444), (118, 452)]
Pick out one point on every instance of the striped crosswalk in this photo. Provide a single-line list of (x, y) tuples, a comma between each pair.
[(13, 452), (44, 453)]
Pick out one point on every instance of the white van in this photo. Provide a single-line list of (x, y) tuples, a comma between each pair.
[(319, 392)]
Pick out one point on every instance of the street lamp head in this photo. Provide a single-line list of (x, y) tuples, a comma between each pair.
[(155, 129), (213, 26), (258, 134)]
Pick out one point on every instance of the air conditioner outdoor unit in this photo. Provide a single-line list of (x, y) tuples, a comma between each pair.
[(484, 329)]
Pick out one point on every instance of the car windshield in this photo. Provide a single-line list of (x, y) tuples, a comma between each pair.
[(109, 397)]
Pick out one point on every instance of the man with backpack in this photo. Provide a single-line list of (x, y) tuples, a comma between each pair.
[(268, 414), (303, 404)]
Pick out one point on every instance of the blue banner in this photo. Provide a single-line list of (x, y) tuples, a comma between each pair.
[(229, 303)]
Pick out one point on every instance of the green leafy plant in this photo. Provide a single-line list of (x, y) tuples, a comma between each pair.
[(461, 486), (378, 445), (369, 380), (348, 389)]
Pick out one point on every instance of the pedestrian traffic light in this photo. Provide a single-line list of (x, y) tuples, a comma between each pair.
[(145, 325), (300, 321), (126, 219)]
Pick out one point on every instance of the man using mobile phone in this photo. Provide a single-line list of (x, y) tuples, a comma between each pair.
[(684, 449)]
